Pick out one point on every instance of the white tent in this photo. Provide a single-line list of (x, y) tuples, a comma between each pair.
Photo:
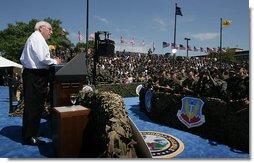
[(8, 63), (10, 67)]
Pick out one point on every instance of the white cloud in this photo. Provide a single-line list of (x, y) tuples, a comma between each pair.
[(162, 22), (205, 36), (106, 21)]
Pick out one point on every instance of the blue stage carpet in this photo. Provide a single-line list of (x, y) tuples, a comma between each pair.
[(10, 134), (194, 146), (11, 147)]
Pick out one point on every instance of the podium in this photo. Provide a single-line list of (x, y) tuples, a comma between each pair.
[(68, 124), (66, 79)]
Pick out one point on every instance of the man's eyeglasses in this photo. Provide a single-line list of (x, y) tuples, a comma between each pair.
[(49, 29)]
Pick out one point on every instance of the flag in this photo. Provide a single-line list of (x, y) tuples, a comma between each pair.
[(214, 49), (195, 49), (143, 43), (201, 49), (132, 42), (226, 23), (123, 41), (174, 46), (178, 11), (165, 44), (181, 47), (80, 37), (189, 48), (92, 36), (208, 49)]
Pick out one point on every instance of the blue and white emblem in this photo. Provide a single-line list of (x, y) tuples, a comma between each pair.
[(191, 112)]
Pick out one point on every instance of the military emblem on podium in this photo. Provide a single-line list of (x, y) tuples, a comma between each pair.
[(191, 112)]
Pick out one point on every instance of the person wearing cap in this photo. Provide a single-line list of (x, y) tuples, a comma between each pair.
[(36, 60)]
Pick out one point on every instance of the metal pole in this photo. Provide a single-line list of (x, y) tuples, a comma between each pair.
[(88, 58), (87, 24), (187, 39), (174, 38), (175, 27), (95, 56), (187, 48), (220, 40), (10, 83)]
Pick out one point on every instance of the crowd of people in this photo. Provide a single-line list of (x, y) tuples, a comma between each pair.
[(197, 76)]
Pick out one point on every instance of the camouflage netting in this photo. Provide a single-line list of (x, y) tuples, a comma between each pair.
[(125, 90), (225, 122), (108, 133)]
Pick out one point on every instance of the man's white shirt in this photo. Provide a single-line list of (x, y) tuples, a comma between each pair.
[(36, 54)]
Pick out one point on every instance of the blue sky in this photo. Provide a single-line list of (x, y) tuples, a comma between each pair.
[(148, 20)]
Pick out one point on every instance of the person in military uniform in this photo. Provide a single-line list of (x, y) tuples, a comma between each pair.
[(189, 85), (175, 82), (238, 85), (211, 84)]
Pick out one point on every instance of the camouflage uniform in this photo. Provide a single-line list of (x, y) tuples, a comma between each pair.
[(189, 85)]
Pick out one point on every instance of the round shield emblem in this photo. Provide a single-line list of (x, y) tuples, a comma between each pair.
[(162, 145)]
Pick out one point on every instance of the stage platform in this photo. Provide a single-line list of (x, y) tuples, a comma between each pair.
[(194, 146)]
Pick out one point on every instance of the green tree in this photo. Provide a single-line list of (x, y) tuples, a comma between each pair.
[(226, 56), (13, 38), (82, 45)]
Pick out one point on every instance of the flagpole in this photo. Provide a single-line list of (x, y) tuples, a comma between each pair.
[(143, 48), (153, 47), (220, 41), (87, 21), (187, 39), (87, 25), (174, 38), (120, 49), (175, 27)]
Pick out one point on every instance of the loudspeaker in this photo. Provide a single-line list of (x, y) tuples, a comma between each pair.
[(106, 48)]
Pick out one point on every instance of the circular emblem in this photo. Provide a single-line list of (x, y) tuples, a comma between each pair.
[(162, 145), (139, 87), (148, 98)]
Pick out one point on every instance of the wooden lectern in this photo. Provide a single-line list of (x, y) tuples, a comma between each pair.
[(66, 79), (68, 124)]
